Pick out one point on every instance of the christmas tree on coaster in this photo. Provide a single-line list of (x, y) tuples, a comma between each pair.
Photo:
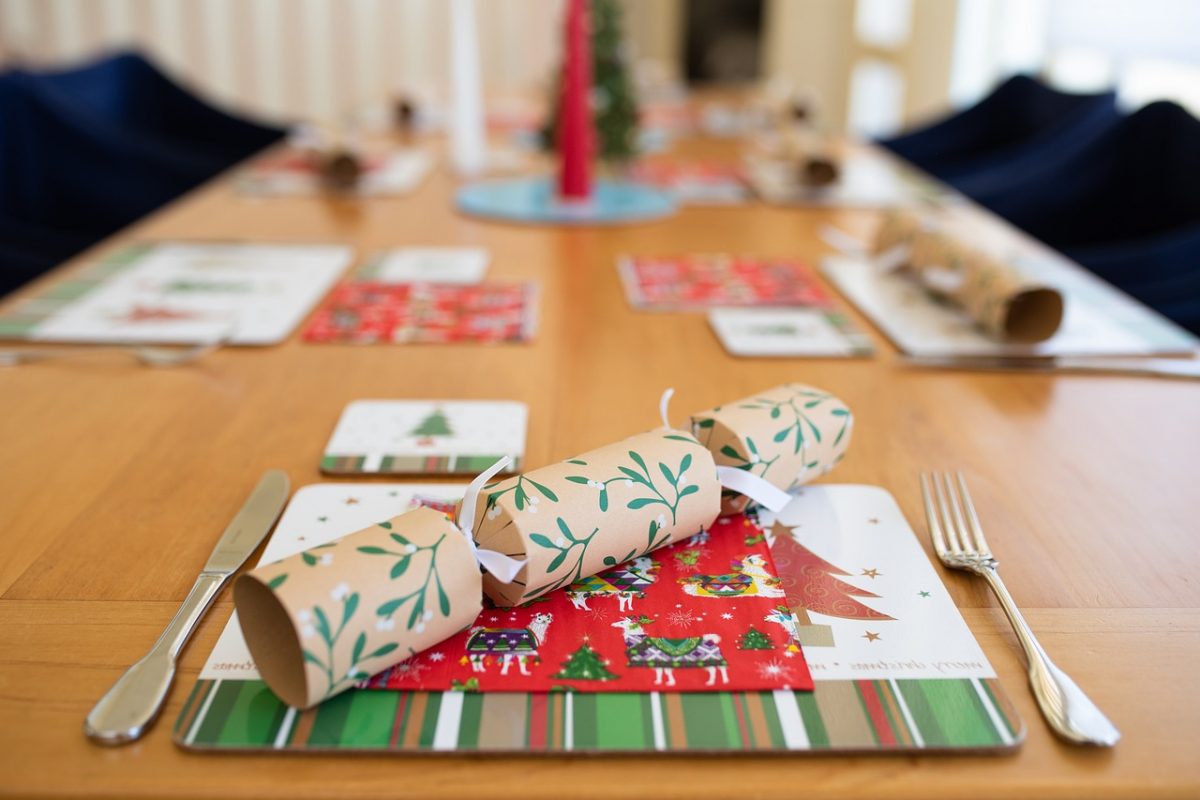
[(435, 424), (754, 639), (585, 664)]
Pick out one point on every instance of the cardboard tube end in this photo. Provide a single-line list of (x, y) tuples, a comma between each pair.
[(1034, 315), (272, 640)]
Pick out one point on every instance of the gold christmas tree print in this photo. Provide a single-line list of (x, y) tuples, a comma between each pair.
[(811, 585), (435, 424)]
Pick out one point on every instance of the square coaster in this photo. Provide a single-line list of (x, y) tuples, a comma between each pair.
[(788, 332), (426, 437)]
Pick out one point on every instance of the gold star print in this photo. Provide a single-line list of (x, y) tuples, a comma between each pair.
[(871, 637), (871, 573), (351, 501)]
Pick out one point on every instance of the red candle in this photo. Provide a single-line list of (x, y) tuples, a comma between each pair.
[(575, 117)]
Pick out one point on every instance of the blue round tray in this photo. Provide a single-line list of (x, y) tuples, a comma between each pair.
[(535, 200)]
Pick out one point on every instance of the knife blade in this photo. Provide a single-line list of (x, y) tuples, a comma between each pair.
[(1184, 368), (129, 708)]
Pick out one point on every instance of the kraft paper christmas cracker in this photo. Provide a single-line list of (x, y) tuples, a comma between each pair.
[(581, 516), (321, 620), (786, 436), (975, 271)]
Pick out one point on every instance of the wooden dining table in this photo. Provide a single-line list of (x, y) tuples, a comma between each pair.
[(116, 480)]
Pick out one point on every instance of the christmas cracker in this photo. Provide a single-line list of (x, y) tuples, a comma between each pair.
[(322, 620), (787, 436), (578, 517), (318, 622), (975, 271)]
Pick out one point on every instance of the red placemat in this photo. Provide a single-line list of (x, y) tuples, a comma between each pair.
[(698, 282), (366, 312)]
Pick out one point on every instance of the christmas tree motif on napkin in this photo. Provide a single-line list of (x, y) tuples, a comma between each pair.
[(754, 639), (585, 664)]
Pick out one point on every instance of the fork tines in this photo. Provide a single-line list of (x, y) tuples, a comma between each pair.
[(953, 524)]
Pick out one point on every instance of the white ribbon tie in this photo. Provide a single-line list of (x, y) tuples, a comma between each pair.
[(504, 568)]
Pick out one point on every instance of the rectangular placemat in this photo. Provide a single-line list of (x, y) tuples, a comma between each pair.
[(896, 668)]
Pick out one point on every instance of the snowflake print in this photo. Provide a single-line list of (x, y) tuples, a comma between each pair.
[(680, 619), (774, 670), (437, 656), (727, 616), (596, 615), (412, 668)]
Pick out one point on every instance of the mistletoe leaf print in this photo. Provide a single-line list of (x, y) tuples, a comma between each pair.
[(418, 615), (844, 413), (400, 567), (752, 461), (349, 608), (312, 559), (546, 493), (277, 581), (568, 545), (316, 624), (383, 650), (669, 496), (778, 409), (322, 623), (521, 497)]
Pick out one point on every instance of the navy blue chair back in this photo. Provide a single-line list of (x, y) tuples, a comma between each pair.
[(85, 152), (1021, 120), (1126, 206), (131, 93)]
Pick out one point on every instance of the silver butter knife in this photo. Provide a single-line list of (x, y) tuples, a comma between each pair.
[(1183, 368), (130, 707)]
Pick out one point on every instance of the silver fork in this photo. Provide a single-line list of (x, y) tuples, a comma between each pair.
[(149, 355), (958, 540)]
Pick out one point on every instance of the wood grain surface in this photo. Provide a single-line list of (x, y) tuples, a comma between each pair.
[(116, 481)]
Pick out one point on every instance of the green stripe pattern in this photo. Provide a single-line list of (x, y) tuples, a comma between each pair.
[(467, 464), (22, 320), (945, 715)]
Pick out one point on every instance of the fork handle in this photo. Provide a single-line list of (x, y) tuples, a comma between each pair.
[(1069, 711)]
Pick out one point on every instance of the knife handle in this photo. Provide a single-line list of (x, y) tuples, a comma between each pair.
[(129, 708)]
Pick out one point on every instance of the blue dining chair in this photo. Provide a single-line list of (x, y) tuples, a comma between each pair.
[(1126, 206), (1007, 133), (130, 93), (68, 179)]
